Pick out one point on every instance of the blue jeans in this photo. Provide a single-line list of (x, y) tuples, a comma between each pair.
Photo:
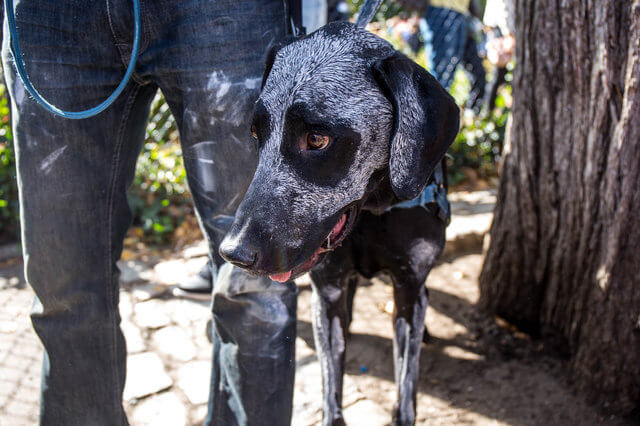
[(207, 59)]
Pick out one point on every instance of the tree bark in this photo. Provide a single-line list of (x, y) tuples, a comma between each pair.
[(564, 259)]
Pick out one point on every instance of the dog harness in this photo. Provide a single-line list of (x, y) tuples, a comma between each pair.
[(433, 198)]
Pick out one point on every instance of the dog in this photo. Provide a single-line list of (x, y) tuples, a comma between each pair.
[(346, 127)]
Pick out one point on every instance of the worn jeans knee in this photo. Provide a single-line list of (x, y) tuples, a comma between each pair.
[(253, 349)]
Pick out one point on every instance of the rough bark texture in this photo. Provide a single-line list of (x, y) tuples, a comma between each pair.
[(564, 259)]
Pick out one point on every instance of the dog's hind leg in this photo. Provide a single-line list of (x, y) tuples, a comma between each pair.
[(408, 326), (329, 308)]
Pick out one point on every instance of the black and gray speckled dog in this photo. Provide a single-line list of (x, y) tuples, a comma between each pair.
[(346, 128)]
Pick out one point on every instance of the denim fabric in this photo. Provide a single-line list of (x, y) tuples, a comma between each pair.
[(448, 43), (314, 14), (260, 338), (206, 57)]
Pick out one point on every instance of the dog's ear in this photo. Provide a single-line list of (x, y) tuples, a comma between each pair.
[(270, 58), (426, 120)]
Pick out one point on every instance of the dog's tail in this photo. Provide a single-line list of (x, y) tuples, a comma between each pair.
[(367, 11)]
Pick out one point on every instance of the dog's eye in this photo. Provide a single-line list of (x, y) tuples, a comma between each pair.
[(316, 141), (254, 132)]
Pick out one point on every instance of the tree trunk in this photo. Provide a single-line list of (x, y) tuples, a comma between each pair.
[(564, 259)]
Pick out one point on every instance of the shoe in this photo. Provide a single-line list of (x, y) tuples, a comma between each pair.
[(200, 283)]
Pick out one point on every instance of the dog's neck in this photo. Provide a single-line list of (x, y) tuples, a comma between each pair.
[(379, 196)]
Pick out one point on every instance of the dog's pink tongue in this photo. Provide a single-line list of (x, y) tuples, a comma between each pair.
[(281, 278), (284, 277), (336, 229)]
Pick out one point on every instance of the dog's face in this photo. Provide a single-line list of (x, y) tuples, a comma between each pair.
[(337, 108)]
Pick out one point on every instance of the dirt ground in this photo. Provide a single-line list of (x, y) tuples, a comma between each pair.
[(473, 371)]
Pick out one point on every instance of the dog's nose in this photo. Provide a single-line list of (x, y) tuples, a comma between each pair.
[(238, 254)]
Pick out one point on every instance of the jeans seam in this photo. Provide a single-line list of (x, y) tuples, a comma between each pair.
[(146, 33), (115, 163), (119, 42)]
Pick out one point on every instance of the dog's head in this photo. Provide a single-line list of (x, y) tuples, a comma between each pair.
[(338, 109)]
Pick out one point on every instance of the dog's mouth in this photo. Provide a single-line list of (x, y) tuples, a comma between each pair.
[(340, 230)]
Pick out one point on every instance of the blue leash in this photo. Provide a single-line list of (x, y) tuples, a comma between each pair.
[(76, 115)]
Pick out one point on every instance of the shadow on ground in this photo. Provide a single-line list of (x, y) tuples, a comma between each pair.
[(472, 371)]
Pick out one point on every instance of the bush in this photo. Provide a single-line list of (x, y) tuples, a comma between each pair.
[(159, 196), (9, 210), (478, 145), (388, 9)]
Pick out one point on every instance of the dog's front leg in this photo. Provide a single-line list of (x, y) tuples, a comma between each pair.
[(408, 325), (330, 322)]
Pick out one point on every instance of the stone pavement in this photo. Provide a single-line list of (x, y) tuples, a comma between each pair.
[(169, 355)]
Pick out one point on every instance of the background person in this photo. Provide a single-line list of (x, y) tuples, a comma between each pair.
[(449, 42), (500, 46)]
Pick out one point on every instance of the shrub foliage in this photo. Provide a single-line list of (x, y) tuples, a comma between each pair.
[(8, 188)]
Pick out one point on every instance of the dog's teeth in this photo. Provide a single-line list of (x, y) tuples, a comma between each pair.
[(329, 241)]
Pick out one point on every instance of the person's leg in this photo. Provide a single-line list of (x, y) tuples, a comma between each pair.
[(72, 176), (476, 74), (208, 60), (491, 92), (445, 33), (253, 350), (201, 282), (210, 69)]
